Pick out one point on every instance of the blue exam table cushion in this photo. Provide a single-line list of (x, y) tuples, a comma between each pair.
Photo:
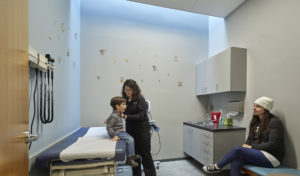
[(278, 170), (52, 154)]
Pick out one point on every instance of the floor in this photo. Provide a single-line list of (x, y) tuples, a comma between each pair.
[(184, 167)]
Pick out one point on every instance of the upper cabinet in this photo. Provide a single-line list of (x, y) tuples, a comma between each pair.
[(223, 72)]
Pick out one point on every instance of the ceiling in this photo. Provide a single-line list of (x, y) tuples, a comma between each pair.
[(218, 8)]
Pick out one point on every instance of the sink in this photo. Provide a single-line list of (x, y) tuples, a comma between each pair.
[(202, 123), (197, 123)]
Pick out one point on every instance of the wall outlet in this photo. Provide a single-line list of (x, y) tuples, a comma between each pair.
[(156, 164)]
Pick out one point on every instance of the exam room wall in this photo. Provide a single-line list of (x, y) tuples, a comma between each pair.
[(271, 33), (146, 36), (45, 20)]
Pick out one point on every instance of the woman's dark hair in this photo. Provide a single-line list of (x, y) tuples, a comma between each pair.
[(262, 124), (136, 91)]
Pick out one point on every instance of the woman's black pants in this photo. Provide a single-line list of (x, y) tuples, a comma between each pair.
[(142, 144)]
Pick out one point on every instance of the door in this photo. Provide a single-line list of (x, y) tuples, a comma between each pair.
[(197, 144), (223, 71), (13, 87), (187, 139), (211, 75), (199, 79)]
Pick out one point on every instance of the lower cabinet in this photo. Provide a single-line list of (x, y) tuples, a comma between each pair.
[(210, 146)]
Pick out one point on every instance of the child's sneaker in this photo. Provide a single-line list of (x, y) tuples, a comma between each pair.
[(131, 162), (136, 157), (211, 168)]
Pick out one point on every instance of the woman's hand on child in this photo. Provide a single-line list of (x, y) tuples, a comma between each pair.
[(124, 116), (116, 138), (105, 122), (246, 146)]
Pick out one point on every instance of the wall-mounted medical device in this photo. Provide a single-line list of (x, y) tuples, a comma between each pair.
[(37, 60), (43, 96)]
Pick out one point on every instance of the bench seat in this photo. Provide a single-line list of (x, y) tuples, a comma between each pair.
[(263, 171)]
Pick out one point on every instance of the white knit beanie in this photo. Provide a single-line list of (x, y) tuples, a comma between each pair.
[(265, 102)]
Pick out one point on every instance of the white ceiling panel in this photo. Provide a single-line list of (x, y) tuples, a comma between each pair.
[(218, 8)]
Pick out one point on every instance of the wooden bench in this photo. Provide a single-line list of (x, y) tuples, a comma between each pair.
[(263, 171)]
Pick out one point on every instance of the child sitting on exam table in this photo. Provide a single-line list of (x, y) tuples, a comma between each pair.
[(114, 127)]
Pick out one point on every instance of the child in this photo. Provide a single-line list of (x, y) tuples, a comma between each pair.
[(114, 127)]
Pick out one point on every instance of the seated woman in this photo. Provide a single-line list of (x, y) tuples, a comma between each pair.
[(264, 146)]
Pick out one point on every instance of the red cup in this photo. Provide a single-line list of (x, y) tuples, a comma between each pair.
[(215, 116)]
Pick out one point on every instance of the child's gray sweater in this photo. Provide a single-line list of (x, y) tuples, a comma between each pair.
[(114, 124)]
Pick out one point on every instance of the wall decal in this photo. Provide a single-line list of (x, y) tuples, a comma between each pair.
[(176, 58), (62, 27), (122, 79), (155, 68), (59, 59), (179, 84), (102, 51)]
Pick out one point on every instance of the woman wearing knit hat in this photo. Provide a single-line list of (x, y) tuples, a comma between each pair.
[(264, 146)]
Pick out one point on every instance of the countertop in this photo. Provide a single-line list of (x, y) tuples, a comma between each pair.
[(213, 128)]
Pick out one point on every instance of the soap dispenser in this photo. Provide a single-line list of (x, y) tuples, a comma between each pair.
[(221, 119)]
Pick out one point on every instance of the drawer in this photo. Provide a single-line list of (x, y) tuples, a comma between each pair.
[(206, 134), (207, 143), (205, 158), (206, 150)]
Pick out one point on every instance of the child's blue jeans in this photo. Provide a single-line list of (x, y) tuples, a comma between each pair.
[(240, 156), (129, 142)]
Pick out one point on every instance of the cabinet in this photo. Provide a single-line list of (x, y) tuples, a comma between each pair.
[(201, 80), (187, 139), (223, 72), (209, 144)]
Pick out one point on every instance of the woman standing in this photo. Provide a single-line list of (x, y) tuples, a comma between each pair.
[(137, 125), (264, 146)]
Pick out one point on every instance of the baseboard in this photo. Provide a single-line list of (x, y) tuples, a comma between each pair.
[(33, 157), (173, 159)]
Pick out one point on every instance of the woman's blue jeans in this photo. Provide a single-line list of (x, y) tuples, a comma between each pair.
[(240, 156)]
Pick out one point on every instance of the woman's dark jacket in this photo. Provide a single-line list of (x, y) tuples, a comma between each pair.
[(272, 140), (136, 112)]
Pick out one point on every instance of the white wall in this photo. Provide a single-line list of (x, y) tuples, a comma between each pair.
[(146, 36), (270, 30), (45, 19)]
